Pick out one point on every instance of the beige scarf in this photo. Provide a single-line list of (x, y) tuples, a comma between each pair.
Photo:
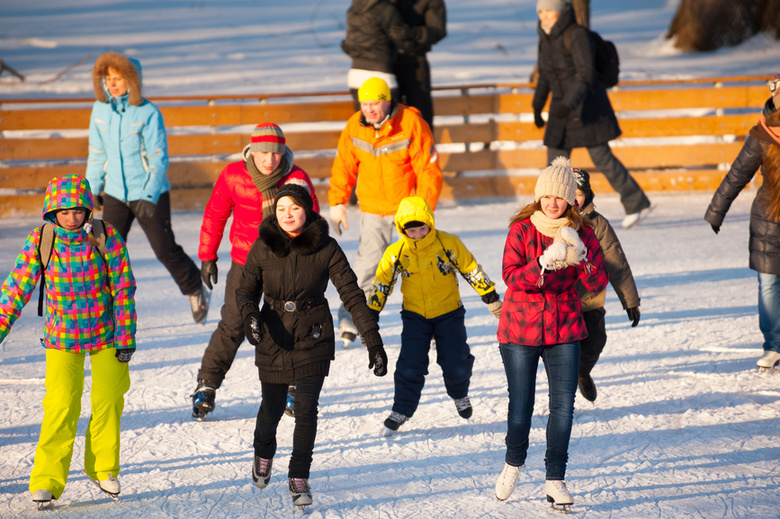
[(547, 226)]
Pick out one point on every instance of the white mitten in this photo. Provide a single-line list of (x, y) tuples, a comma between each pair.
[(495, 308), (338, 217), (576, 252), (554, 257)]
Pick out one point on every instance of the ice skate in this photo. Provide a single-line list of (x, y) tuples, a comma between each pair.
[(203, 400), (43, 499), (289, 408), (109, 487), (199, 303), (507, 481), (588, 388), (463, 405), (393, 422), (768, 361), (300, 492), (261, 471), (632, 220), (347, 331), (558, 495)]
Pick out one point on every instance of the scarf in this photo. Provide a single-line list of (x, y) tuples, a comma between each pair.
[(266, 184), (769, 131), (547, 226)]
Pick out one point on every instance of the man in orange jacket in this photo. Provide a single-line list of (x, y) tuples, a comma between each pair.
[(391, 148)]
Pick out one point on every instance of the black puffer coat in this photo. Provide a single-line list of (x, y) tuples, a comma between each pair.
[(759, 151), (375, 31), (300, 343), (431, 18), (573, 81)]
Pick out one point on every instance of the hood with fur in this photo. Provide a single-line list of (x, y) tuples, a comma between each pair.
[(129, 68)]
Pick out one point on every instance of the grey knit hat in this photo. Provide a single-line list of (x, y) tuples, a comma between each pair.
[(557, 180), (551, 5)]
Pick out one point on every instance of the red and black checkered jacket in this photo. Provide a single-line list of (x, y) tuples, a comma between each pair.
[(541, 309)]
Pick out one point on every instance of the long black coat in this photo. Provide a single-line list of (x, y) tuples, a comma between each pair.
[(759, 151), (573, 81), (375, 31), (431, 18), (301, 343)]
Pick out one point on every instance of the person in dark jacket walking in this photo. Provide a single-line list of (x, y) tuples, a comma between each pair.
[(760, 151), (620, 277), (548, 250), (580, 115), (290, 265), (245, 189), (127, 170), (428, 18)]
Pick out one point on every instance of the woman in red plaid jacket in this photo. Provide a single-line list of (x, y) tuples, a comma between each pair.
[(549, 248)]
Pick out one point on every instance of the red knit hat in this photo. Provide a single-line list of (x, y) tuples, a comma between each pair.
[(268, 137)]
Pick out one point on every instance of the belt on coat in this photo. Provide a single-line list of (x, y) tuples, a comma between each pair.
[(294, 306)]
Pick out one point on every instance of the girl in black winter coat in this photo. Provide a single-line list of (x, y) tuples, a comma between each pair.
[(290, 265), (761, 150)]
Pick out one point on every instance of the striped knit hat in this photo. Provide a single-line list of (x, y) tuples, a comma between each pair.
[(268, 137)]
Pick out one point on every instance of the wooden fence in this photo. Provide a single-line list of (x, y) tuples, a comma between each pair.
[(677, 135)]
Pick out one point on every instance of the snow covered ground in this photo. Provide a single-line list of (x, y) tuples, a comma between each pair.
[(684, 426)]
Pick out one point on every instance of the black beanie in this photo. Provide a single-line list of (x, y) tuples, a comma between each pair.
[(583, 184), (297, 192)]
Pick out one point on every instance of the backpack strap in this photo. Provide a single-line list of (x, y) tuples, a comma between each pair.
[(44, 255)]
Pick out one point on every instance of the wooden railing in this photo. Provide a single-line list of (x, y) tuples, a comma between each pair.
[(677, 135)]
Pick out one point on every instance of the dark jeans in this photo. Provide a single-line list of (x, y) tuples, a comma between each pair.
[(226, 339), (160, 235), (307, 395), (521, 363), (769, 310), (631, 195), (592, 345), (414, 84), (452, 354)]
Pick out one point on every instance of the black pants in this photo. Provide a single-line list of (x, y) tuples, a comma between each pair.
[(226, 339), (414, 84), (307, 395), (592, 345), (631, 195), (160, 235)]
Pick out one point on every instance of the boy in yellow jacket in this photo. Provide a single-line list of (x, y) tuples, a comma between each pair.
[(427, 260)]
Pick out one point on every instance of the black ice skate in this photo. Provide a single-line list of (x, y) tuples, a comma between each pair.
[(393, 422), (203, 400), (300, 492)]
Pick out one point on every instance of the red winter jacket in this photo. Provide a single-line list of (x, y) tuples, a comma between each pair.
[(235, 193), (542, 310)]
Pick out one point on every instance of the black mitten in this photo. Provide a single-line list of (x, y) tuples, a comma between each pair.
[(125, 355), (144, 209), (252, 328), (377, 359), (538, 120), (633, 316)]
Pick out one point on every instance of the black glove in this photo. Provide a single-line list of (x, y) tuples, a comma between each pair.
[(144, 209), (563, 111), (208, 271), (98, 203), (125, 355), (252, 329), (377, 359), (715, 228), (633, 316), (538, 121)]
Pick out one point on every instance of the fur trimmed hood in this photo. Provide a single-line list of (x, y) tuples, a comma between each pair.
[(312, 239), (129, 68)]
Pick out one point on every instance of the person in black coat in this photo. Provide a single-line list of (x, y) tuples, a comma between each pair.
[(290, 264), (580, 115), (761, 150)]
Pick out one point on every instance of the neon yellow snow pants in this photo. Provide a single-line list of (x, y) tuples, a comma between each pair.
[(61, 410)]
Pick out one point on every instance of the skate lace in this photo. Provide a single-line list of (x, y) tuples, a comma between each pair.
[(300, 486), (462, 403), (560, 487), (262, 466), (204, 391)]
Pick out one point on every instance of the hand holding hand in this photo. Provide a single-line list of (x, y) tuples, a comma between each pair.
[(633, 316), (252, 327), (208, 271), (554, 257), (125, 355), (495, 308), (338, 216), (576, 252), (144, 209)]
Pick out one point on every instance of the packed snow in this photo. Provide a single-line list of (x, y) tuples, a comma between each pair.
[(684, 425)]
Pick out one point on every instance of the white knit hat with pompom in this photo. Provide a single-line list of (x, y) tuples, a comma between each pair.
[(557, 180)]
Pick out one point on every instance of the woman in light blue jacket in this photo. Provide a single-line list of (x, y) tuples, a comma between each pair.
[(127, 169)]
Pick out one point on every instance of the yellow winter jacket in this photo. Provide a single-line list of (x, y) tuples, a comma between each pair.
[(427, 267), (394, 162)]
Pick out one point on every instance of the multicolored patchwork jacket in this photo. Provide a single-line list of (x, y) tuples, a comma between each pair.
[(428, 267), (90, 303)]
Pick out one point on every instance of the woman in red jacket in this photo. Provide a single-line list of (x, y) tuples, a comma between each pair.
[(245, 189), (549, 248)]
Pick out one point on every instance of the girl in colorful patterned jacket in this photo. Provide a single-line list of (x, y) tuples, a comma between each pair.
[(90, 309), (549, 248)]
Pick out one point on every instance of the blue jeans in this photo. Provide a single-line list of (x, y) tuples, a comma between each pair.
[(561, 363), (769, 310)]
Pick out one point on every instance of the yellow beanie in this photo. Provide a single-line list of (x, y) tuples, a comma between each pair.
[(374, 89)]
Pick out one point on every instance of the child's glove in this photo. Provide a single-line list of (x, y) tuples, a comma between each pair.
[(554, 257), (252, 328), (576, 252), (495, 308), (633, 316), (338, 217), (125, 355)]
